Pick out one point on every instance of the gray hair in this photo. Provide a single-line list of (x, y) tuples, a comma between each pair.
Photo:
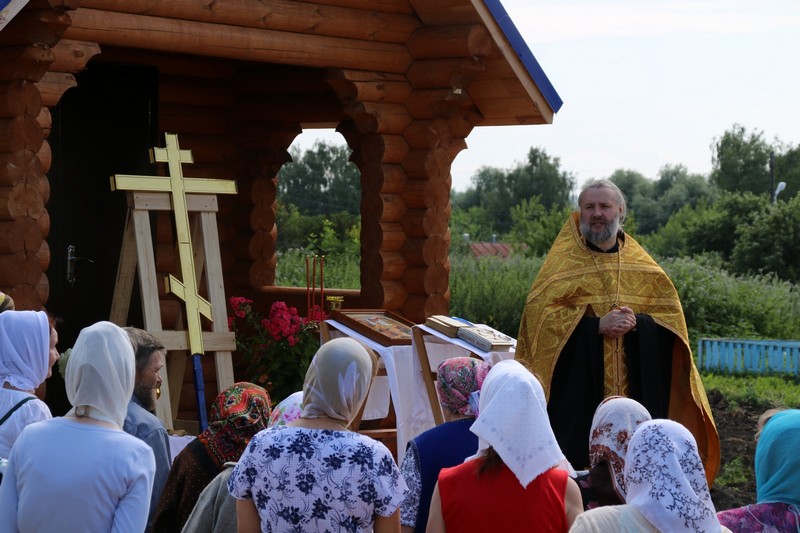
[(144, 344), (606, 184)]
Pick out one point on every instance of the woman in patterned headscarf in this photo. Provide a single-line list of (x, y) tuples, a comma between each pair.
[(445, 445), (665, 483), (614, 422), (238, 413)]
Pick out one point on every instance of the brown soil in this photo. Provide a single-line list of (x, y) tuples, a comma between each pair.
[(737, 428)]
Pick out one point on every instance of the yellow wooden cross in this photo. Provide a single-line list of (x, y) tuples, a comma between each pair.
[(179, 186)]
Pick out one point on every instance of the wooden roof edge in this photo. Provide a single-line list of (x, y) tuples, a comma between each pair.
[(520, 56)]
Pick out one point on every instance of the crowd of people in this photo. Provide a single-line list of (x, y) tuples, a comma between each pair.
[(598, 424)]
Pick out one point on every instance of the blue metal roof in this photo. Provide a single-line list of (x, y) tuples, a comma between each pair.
[(525, 55)]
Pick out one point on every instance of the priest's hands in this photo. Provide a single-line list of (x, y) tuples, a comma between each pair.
[(617, 322)]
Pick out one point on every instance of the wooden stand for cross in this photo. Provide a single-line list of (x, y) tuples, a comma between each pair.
[(182, 196)]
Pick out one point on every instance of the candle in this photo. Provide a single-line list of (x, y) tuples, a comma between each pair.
[(308, 288), (321, 283), (313, 283)]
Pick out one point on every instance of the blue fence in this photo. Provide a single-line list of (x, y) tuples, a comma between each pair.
[(741, 356)]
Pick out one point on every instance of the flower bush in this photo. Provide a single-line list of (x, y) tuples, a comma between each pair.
[(277, 349)]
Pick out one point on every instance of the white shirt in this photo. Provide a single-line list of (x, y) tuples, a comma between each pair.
[(32, 411)]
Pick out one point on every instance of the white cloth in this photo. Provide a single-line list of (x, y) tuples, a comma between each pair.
[(337, 380), (73, 477), (24, 348), (317, 480), (100, 373), (513, 420), (666, 481), (614, 422), (30, 412)]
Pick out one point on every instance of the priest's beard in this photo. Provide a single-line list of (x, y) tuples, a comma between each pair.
[(610, 229)]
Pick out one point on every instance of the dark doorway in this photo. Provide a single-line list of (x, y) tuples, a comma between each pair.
[(104, 126)]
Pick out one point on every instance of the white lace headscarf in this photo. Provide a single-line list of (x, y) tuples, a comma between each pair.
[(666, 481), (614, 422), (337, 381), (513, 420), (100, 373), (24, 348)]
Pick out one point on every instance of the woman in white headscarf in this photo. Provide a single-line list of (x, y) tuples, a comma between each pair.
[(27, 355), (519, 479), (314, 474), (100, 476), (665, 483)]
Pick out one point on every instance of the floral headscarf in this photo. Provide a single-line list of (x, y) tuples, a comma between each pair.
[(287, 411), (25, 348), (666, 481), (238, 413), (777, 460), (614, 422), (456, 379)]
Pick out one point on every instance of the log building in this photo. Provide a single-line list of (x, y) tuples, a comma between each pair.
[(88, 86)]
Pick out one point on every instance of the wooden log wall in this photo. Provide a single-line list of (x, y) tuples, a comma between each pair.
[(36, 68)]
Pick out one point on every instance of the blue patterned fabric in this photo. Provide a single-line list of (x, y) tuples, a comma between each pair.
[(304, 480)]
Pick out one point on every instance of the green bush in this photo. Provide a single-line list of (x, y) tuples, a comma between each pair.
[(719, 304), (491, 290)]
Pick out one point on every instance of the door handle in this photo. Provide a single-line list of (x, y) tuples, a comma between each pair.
[(72, 259)]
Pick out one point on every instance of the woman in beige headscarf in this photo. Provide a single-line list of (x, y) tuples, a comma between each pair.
[(314, 474), (100, 476)]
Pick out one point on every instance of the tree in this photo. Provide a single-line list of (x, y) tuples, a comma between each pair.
[(322, 180), (536, 227), (541, 176), (770, 242), (739, 161)]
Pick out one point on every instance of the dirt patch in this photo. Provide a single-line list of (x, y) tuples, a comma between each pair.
[(736, 424)]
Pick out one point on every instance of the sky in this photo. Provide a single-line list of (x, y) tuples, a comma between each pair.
[(646, 84)]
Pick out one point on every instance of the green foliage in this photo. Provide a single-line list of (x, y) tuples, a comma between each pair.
[(542, 176), (735, 473), (321, 180), (342, 270), (771, 242), (719, 304), (762, 391), (491, 290), (740, 161), (471, 224), (534, 227)]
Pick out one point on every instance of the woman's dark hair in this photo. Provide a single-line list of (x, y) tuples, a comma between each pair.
[(490, 462)]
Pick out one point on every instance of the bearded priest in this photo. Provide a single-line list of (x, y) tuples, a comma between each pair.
[(603, 319)]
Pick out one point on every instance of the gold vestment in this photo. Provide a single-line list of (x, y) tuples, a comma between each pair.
[(575, 281)]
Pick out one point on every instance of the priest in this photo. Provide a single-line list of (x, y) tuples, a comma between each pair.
[(603, 319)]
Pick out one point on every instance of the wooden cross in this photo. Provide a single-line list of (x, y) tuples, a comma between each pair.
[(179, 186)]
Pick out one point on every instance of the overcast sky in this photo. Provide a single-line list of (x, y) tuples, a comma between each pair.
[(647, 84)]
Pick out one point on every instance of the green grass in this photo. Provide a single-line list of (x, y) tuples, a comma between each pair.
[(735, 473), (763, 391)]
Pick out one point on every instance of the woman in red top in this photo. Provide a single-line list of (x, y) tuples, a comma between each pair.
[(519, 479)]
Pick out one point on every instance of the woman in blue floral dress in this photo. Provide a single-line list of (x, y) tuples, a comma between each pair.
[(314, 474)]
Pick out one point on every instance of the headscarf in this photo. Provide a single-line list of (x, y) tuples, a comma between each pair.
[(614, 422), (100, 373), (6, 302), (513, 421), (287, 411), (24, 348), (337, 380), (456, 379), (777, 460), (238, 413), (666, 481)]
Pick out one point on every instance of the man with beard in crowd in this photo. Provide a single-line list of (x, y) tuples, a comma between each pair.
[(603, 319), (140, 420)]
